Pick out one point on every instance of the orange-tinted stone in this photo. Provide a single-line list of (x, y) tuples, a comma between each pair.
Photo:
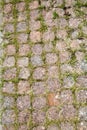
[(53, 99)]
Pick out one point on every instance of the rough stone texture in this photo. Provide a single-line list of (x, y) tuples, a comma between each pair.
[(39, 117), (22, 37), (81, 96), (68, 112), (83, 113), (38, 88), (8, 102), (43, 65), (9, 62), (51, 58), (10, 50), (53, 84), (24, 73), (24, 49), (37, 49), (23, 62), (65, 126), (8, 117), (23, 102), (9, 74), (35, 36), (39, 73), (36, 61), (53, 127), (8, 87), (39, 102), (53, 113), (23, 87), (23, 116)]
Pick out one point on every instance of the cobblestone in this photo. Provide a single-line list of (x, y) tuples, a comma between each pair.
[(43, 65)]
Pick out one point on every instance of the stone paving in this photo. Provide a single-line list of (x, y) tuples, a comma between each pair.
[(43, 56)]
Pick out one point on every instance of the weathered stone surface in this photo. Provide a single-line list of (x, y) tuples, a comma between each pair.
[(10, 50), (53, 113), (51, 58), (23, 102), (23, 87), (37, 49), (53, 127), (65, 126), (39, 102), (8, 117), (24, 73), (24, 49), (9, 74), (35, 36), (8, 87), (23, 62), (83, 113), (36, 61), (39, 117), (38, 88), (39, 73), (9, 62)]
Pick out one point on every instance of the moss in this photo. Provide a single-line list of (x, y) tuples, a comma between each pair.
[(55, 15)]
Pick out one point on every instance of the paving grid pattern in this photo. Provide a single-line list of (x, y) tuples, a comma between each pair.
[(44, 59)]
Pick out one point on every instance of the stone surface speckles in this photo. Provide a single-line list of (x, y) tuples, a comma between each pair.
[(43, 65)]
